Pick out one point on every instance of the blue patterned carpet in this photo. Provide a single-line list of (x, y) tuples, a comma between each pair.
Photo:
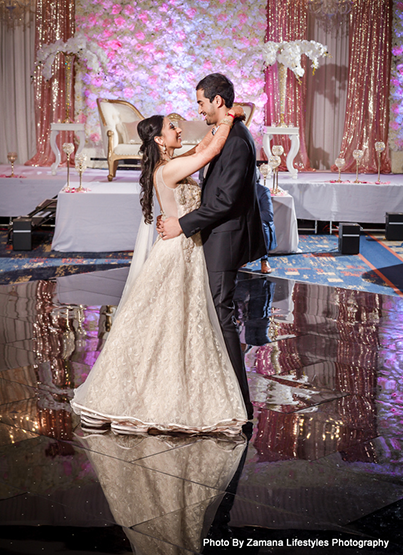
[(378, 268)]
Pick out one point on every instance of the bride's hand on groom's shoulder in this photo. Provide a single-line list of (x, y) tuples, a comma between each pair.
[(238, 112), (170, 228)]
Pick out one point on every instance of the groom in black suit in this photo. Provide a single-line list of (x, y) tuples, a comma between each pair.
[(228, 217)]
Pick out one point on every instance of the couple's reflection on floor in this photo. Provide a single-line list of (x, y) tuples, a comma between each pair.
[(167, 492)]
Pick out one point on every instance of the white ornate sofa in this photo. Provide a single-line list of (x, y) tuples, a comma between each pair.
[(119, 120)]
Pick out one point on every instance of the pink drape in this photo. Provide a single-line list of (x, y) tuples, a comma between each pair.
[(54, 20), (367, 110), (287, 21)]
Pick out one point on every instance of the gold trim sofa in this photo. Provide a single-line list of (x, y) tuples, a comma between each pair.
[(119, 120)]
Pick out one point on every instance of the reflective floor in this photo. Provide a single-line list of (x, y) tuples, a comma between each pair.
[(320, 471)]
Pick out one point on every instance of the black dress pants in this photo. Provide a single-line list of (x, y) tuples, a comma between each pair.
[(222, 285)]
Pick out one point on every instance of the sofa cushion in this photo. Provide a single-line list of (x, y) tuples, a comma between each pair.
[(193, 131), (112, 118), (127, 150), (128, 130)]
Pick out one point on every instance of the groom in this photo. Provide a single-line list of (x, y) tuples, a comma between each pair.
[(228, 217)]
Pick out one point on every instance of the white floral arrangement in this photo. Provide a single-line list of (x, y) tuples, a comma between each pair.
[(88, 52), (158, 50), (289, 54)]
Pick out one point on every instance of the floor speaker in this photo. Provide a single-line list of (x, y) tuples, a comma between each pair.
[(349, 238), (22, 234), (394, 226)]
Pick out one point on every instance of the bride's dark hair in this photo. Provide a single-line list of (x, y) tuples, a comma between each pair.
[(148, 129)]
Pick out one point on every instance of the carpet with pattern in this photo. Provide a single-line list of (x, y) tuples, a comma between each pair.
[(377, 268)]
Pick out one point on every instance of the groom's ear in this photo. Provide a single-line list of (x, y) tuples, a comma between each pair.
[(218, 101)]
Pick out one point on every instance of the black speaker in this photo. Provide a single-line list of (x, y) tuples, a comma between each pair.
[(22, 234), (394, 226), (349, 238)]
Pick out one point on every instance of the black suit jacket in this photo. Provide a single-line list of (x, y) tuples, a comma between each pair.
[(229, 217)]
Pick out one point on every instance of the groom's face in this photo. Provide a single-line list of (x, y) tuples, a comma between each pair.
[(206, 108)]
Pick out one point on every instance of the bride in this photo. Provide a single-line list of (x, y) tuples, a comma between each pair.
[(164, 365)]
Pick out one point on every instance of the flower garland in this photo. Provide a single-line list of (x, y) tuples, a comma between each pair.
[(289, 54), (93, 56), (396, 81), (158, 50)]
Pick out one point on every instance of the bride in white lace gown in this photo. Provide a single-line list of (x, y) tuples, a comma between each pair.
[(164, 365)]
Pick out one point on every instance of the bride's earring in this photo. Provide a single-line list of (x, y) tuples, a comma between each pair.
[(164, 149)]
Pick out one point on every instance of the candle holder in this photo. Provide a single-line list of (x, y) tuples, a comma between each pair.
[(357, 155), (277, 150), (264, 172), (12, 157), (379, 147), (339, 162), (274, 162), (68, 148), (81, 166)]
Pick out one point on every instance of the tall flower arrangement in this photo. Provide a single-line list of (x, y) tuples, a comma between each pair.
[(159, 49), (88, 53), (396, 83), (290, 53)]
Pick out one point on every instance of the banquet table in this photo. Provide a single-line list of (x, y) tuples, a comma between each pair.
[(107, 217), (104, 219), (319, 197)]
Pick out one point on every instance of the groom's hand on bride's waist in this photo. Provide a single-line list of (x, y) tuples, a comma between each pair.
[(171, 228), (160, 225)]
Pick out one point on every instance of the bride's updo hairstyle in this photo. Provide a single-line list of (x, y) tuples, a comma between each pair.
[(148, 129)]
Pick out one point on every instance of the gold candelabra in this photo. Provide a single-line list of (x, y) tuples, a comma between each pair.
[(81, 166), (12, 157), (339, 162), (264, 172), (379, 147), (357, 155), (68, 148), (274, 162)]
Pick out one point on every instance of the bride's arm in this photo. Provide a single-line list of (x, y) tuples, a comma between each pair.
[(179, 168)]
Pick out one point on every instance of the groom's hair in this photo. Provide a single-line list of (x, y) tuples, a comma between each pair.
[(217, 84)]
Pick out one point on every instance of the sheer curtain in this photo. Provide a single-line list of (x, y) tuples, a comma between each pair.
[(17, 54), (326, 97)]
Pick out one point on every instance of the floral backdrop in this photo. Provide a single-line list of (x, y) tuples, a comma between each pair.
[(158, 50), (396, 82)]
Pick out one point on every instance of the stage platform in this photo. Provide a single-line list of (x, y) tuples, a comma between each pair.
[(114, 206), (107, 217), (21, 194)]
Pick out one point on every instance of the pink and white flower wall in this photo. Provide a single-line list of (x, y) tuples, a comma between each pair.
[(159, 49)]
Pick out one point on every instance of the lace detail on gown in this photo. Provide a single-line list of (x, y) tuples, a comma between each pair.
[(186, 198), (164, 364)]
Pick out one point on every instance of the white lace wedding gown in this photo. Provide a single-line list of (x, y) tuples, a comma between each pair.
[(164, 364)]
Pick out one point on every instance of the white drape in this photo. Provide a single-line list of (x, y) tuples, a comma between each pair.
[(326, 98), (17, 128)]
